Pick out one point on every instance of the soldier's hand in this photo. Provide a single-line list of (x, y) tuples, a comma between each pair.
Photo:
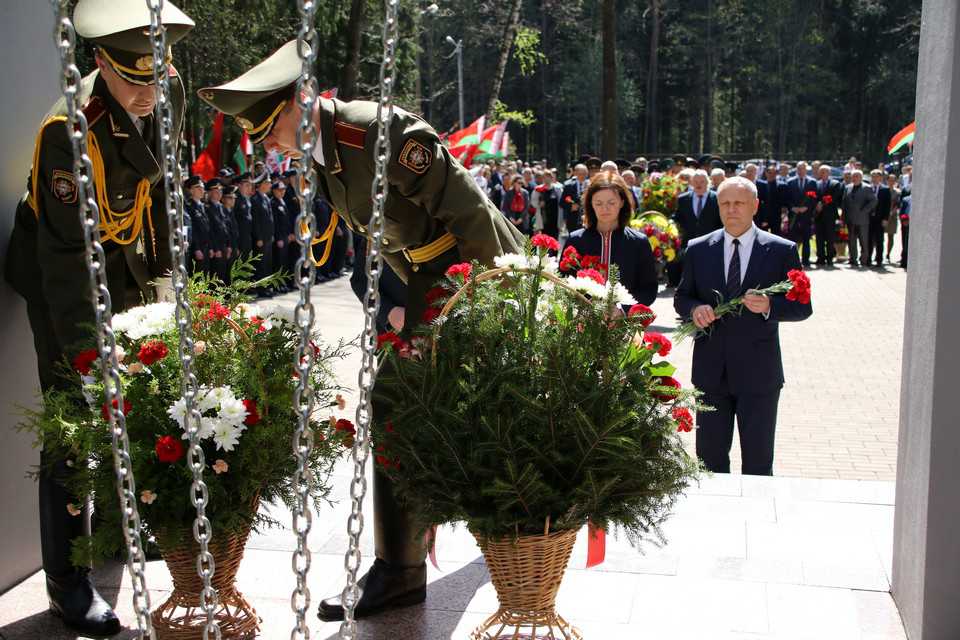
[(259, 243), (198, 255), (280, 243), (397, 317)]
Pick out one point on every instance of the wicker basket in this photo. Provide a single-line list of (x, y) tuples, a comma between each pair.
[(526, 572), (181, 617)]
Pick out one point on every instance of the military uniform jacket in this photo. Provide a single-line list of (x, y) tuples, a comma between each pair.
[(243, 220), (262, 212), (200, 226), (282, 225), (219, 231), (46, 260), (430, 192)]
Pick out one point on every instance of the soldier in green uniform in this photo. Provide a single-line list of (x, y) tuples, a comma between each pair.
[(46, 260), (435, 216)]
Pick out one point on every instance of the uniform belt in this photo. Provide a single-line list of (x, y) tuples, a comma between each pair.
[(428, 252)]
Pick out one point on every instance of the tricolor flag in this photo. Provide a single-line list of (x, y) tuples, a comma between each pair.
[(244, 151), (491, 143), (208, 162), (466, 137), (904, 136)]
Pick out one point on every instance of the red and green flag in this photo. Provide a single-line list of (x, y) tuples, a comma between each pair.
[(208, 162), (904, 136), (244, 150), (466, 137)]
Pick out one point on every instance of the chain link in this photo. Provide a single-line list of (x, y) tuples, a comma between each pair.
[(70, 83), (167, 150), (371, 307), (304, 315)]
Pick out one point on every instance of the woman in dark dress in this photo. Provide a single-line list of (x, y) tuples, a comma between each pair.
[(607, 206)]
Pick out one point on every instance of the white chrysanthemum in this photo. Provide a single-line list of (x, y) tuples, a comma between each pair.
[(232, 411), (588, 286), (208, 426), (226, 436), (207, 399), (548, 263), (148, 320), (622, 296), (248, 310), (512, 260), (178, 411)]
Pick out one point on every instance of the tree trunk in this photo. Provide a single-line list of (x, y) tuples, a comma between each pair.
[(351, 68), (708, 82), (608, 109), (509, 32), (653, 79)]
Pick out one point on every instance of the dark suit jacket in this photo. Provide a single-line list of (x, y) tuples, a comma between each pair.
[(743, 349), (568, 198), (834, 188), (797, 190), (882, 212), (690, 226), (768, 215), (630, 251)]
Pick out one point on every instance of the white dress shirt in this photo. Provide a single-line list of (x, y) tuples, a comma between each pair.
[(746, 248)]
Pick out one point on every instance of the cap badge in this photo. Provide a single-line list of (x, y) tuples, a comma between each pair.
[(206, 95), (243, 122), (145, 63)]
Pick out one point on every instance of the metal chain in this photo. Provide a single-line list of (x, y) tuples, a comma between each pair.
[(304, 315), (167, 150), (371, 307), (70, 83)]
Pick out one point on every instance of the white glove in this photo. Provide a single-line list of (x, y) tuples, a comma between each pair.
[(164, 287)]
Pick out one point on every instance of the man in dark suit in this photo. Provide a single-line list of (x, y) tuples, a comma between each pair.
[(697, 214), (802, 206), (573, 189), (829, 197), (858, 206), (878, 218), (768, 191), (262, 212), (737, 365)]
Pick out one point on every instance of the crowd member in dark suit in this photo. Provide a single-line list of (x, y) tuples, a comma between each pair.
[(768, 191), (282, 228), (801, 209), (829, 197), (607, 234), (233, 248), (858, 206), (737, 365), (243, 215), (291, 199), (906, 206), (697, 214), (393, 292), (573, 190), (262, 213), (199, 228), (878, 218), (219, 232)]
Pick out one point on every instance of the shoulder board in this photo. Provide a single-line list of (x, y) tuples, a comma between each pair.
[(349, 135), (94, 110)]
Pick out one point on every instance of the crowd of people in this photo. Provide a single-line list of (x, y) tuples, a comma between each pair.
[(851, 214)]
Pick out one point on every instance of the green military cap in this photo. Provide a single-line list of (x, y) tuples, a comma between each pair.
[(257, 97), (121, 28)]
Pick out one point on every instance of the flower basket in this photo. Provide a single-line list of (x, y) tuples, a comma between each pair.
[(527, 571), (180, 617)]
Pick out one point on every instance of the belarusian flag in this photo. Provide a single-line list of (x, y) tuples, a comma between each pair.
[(904, 136), (505, 147), (244, 150), (208, 162), (490, 144), (466, 137)]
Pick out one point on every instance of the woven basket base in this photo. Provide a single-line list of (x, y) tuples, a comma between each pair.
[(526, 625), (180, 617)]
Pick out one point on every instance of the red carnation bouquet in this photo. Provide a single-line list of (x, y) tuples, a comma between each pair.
[(827, 199), (796, 289), (243, 363)]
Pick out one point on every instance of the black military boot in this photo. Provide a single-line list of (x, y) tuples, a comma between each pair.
[(72, 596), (398, 577)]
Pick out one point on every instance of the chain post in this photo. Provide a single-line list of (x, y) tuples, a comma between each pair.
[(169, 165), (307, 96), (371, 306), (70, 83)]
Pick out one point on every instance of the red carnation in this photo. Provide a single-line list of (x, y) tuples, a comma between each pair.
[(435, 295), (169, 449), (152, 351), (657, 253), (83, 362), (684, 418), (390, 338), (905, 218), (541, 189), (256, 323), (568, 200), (430, 314), (800, 289), (658, 342), (384, 461), (544, 241), (253, 416), (811, 194), (648, 316), (590, 262), (668, 395), (593, 274), (217, 311), (462, 269), (649, 230), (345, 426), (127, 407), (571, 253), (827, 199)]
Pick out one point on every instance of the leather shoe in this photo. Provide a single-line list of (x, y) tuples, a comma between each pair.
[(383, 588), (74, 599)]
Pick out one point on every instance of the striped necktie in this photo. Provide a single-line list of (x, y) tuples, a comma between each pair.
[(733, 273)]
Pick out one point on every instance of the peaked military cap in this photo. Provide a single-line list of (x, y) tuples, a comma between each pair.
[(621, 164), (214, 184), (263, 177), (226, 172), (193, 181), (278, 185), (289, 173), (679, 159), (243, 177), (230, 191), (593, 163), (257, 97), (638, 169), (121, 28)]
